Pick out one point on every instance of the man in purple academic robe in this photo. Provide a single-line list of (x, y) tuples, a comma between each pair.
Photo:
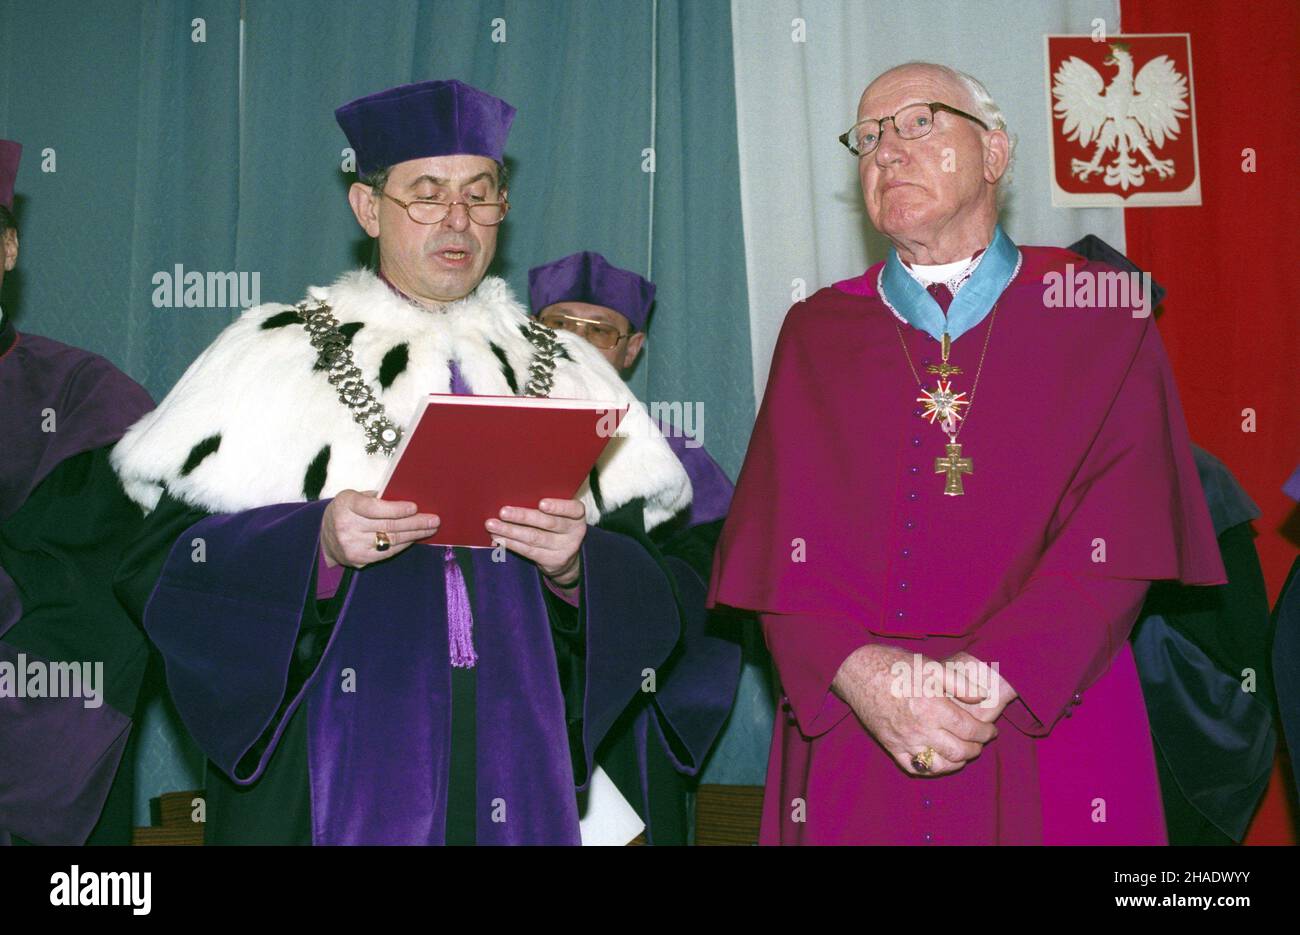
[(960, 486), (610, 307), (71, 661), (348, 685)]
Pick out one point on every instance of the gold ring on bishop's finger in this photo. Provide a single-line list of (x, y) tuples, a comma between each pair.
[(923, 762), (382, 542)]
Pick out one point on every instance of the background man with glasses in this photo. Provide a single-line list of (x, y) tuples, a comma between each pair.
[(954, 501), (610, 307), (586, 294), (346, 687)]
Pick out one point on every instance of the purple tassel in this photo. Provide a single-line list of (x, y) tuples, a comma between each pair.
[(460, 619)]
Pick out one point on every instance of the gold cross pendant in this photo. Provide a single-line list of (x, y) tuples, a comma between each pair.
[(954, 465)]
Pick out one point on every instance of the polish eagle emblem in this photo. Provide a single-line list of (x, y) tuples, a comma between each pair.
[(1126, 119)]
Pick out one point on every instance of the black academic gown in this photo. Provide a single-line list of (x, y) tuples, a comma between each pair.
[(1286, 661), (655, 767), (1194, 648)]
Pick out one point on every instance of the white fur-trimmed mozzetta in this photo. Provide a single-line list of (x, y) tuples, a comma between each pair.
[(250, 416)]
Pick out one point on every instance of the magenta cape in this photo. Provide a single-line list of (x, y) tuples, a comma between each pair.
[(840, 536)]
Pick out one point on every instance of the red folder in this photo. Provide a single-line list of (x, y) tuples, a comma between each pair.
[(465, 457)]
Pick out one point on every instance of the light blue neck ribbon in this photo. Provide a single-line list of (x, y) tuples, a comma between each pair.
[(973, 301)]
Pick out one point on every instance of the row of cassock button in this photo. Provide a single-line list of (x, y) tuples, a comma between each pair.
[(927, 803), (914, 470), (912, 496)]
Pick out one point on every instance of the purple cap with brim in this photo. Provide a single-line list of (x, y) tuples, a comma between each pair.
[(589, 277), (432, 118)]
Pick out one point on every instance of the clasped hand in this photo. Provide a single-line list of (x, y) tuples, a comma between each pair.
[(956, 725)]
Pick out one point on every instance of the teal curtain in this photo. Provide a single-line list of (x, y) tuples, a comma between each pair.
[(202, 134), (130, 166)]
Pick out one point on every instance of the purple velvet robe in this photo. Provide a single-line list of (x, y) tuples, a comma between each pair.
[(57, 757), (841, 536), (93, 404), (380, 756)]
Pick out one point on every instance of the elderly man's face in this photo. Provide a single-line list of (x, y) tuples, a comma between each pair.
[(433, 262), (913, 188)]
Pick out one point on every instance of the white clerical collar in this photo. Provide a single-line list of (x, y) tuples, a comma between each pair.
[(953, 275), (928, 274)]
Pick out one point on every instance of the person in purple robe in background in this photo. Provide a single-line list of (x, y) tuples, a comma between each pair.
[(347, 687), (610, 308), (962, 481), (72, 662)]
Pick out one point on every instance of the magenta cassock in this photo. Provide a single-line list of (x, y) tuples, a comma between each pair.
[(840, 535)]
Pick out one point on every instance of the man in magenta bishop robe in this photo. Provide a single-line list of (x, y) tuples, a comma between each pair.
[(958, 491)]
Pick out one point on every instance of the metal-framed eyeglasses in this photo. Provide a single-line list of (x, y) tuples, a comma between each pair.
[(911, 123), (483, 213), (600, 334)]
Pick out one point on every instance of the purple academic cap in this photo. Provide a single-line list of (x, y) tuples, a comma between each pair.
[(589, 277), (10, 153), (432, 118)]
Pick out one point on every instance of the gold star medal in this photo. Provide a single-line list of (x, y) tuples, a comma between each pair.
[(942, 403)]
